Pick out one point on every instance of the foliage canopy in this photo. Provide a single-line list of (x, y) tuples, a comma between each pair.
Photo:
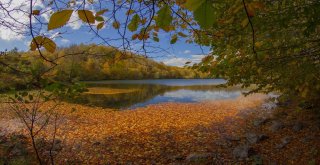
[(271, 44)]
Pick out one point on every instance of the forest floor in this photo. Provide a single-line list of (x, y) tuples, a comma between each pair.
[(245, 130)]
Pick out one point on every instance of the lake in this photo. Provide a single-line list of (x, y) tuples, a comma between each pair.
[(130, 94)]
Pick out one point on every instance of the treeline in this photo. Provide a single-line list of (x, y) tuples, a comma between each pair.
[(86, 62)]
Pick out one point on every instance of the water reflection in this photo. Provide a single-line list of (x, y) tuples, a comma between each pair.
[(155, 92)]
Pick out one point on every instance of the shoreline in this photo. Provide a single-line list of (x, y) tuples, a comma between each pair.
[(167, 133)]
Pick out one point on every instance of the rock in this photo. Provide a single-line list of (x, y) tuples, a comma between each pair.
[(2, 133), (18, 149), (41, 143), (76, 147), (57, 145), (241, 151), (232, 138), (276, 125), (178, 158), (53, 153), (2, 140), (269, 106), (19, 137), (254, 138), (307, 139), (284, 142), (284, 103), (260, 122), (197, 158), (96, 143), (298, 126), (223, 143)]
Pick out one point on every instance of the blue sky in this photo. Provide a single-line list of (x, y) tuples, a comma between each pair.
[(75, 32)]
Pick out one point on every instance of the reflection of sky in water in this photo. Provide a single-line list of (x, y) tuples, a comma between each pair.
[(184, 95), (158, 91), (169, 82)]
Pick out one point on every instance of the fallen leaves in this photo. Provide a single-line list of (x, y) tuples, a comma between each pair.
[(159, 133)]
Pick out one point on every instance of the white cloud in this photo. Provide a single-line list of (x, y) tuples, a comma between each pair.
[(197, 58), (176, 61), (63, 40), (15, 23), (74, 22), (187, 52), (180, 61)]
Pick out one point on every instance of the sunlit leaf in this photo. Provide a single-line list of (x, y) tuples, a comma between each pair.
[(49, 45), (59, 19), (36, 42), (45, 42), (86, 16)]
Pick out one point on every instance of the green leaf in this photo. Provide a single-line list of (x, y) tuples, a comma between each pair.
[(156, 39), (101, 12), (164, 17), (205, 15), (99, 19), (59, 19), (133, 25), (86, 16), (193, 5), (174, 39)]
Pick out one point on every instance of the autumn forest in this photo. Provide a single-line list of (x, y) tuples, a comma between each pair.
[(159, 82)]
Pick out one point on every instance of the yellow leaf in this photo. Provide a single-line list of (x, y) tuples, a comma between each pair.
[(86, 16), (36, 42), (129, 12), (258, 44), (45, 42), (49, 45), (59, 19), (90, 1), (245, 22)]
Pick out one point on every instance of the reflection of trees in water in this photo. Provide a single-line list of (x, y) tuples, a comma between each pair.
[(122, 100), (144, 93)]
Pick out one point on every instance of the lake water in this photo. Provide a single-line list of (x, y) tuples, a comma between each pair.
[(145, 92)]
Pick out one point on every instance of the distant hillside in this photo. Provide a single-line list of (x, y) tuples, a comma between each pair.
[(88, 62)]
